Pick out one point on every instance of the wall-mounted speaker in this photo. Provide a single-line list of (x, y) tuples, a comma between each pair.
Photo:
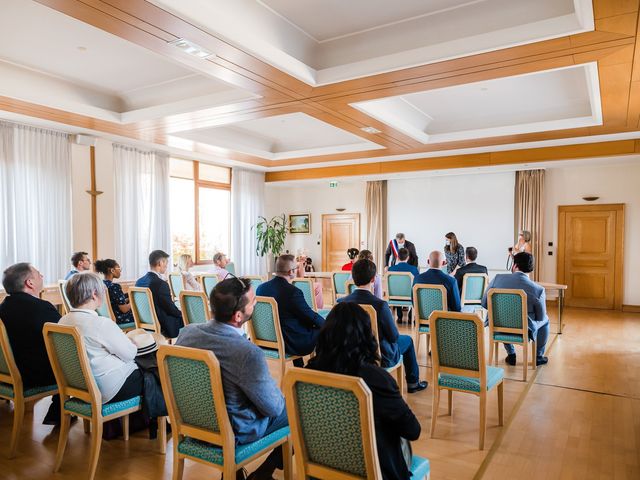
[(86, 140)]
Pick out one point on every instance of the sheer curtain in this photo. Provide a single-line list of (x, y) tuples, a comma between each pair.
[(247, 204), (529, 208), (142, 207), (35, 199), (376, 211)]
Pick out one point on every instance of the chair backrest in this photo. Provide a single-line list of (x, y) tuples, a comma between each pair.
[(458, 345), (306, 285), (264, 326), (332, 428), (256, 281), (144, 311), (192, 389), (68, 357), (9, 372), (231, 268), (507, 311), (66, 306), (428, 298), (105, 310), (398, 285), (208, 282), (339, 280), (350, 286), (473, 287), (194, 307), (443, 268), (176, 284), (373, 317)]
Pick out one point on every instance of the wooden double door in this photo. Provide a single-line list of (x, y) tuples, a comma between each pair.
[(590, 254)]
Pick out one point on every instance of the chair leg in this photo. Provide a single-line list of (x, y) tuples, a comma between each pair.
[(162, 435), (434, 409), (525, 361), (178, 462), (429, 349), (400, 378), (96, 442), (65, 423), (417, 343), (87, 425), (229, 470), (450, 402), (495, 349), (534, 354), (483, 418), (18, 418), (501, 403), (125, 428), (287, 455)]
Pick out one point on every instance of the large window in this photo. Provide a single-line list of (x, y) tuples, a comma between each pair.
[(200, 209)]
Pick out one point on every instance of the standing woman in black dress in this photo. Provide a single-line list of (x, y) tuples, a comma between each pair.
[(453, 252)]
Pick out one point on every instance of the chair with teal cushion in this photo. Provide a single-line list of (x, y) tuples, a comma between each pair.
[(398, 289), (79, 393), (144, 311), (12, 389), (66, 306), (208, 282), (265, 332), (256, 281), (332, 427), (231, 268), (473, 287), (508, 323), (338, 282), (176, 285), (192, 387), (351, 286), (458, 357), (306, 285), (194, 307), (427, 298)]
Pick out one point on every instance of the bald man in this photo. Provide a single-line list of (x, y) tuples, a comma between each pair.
[(435, 276)]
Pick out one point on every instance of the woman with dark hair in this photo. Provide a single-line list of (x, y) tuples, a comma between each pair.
[(346, 345), (352, 253), (120, 305), (453, 252)]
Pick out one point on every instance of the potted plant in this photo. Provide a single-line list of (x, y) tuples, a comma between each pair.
[(270, 236)]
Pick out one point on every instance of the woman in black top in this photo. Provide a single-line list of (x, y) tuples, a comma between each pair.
[(120, 305), (346, 345), (453, 252)]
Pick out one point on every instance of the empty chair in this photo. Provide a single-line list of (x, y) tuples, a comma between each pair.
[(11, 389), (473, 287), (332, 427), (338, 282), (144, 311), (194, 307), (398, 289), (427, 299), (458, 358), (208, 282), (508, 323), (192, 387), (176, 285)]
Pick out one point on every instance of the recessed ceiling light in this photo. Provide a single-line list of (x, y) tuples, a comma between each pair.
[(191, 48), (82, 49), (370, 130)]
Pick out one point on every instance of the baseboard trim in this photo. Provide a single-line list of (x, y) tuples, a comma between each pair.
[(631, 308)]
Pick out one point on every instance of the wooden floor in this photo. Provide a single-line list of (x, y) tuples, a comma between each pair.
[(577, 417)]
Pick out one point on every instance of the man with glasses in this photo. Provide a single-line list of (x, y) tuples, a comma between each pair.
[(299, 322), (254, 402), (81, 263)]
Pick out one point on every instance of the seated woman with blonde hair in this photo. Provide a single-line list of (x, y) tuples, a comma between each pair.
[(185, 262)]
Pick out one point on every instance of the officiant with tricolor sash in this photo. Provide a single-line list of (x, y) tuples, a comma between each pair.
[(391, 255)]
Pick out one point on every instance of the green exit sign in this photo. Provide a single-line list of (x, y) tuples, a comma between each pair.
[(333, 184)]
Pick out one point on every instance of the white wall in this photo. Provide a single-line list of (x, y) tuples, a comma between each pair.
[(477, 208), (317, 199), (613, 184)]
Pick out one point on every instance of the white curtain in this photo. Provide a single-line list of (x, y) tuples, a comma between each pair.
[(35, 199), (247, 204), (142, 207)]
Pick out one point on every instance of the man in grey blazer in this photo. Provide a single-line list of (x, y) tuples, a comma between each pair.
[(536, 304), (254, 402)]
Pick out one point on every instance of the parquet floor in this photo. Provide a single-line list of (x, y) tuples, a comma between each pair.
[(576, 418)]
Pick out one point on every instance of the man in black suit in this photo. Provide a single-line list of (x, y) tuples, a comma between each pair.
[(168, 314), (300, 324), (392, 344), (394, 247), (470, 267), (24, 316)]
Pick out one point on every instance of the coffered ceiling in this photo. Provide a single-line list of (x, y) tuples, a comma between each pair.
[(288, 87)]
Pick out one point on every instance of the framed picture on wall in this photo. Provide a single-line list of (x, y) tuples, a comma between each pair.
[(300, 223)]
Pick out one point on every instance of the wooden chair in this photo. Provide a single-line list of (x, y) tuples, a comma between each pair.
[(144, 311), (176, 285), (350, 286), (396, 370), (11, 389), (208, 282), (265, 332), (306, 285), (459, 364), (397, 287), (427, 298), (231, 268), (333, 429), (508, 323), (66, 306), (256, 280), (194, 307), (192, 388), (79, 393), (338, 282), (106, 310), (473, 287)]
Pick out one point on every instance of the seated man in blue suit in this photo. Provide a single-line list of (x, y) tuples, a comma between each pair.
[(300, 324), (403, 265), (168, 314), (538, 320), (435, 276), (392, 345)]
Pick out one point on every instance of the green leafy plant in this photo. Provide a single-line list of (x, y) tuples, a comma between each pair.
[(270, 235)]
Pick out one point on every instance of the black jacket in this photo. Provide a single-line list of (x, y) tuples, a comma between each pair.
[(169, 316), (413, 256), (468, 268), (24, 317)]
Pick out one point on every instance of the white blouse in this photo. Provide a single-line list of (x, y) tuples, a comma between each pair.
[(111, 354), (190, 282)]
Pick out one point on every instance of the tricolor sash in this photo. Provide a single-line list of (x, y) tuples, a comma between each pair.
[(394, 248)]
